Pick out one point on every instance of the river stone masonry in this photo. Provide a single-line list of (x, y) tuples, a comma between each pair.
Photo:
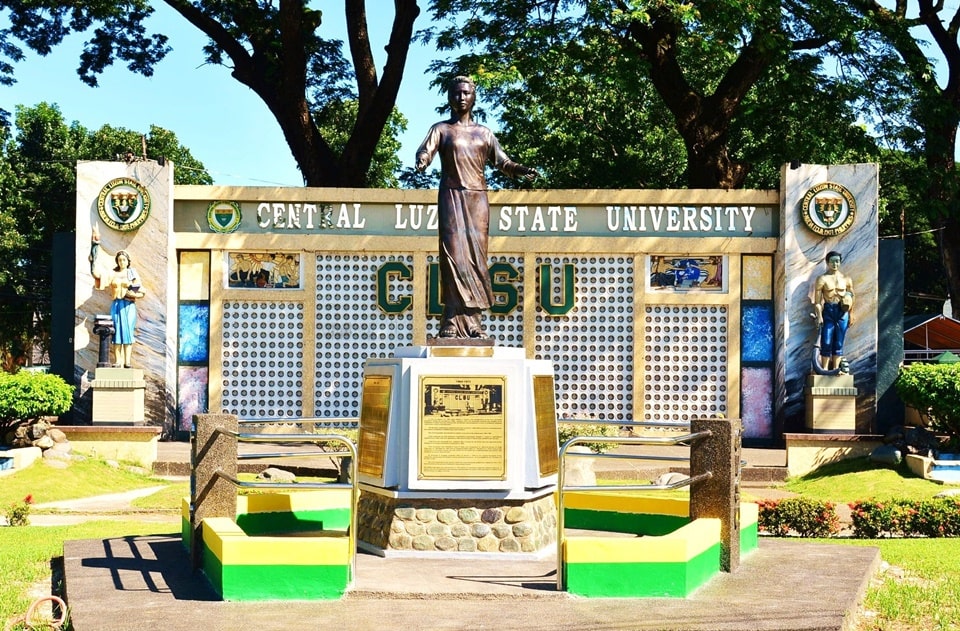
[(450, 525)]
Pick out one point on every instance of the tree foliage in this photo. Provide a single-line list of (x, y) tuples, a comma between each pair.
[(926, 123), (38, 199), (274, 48), (646, 85)]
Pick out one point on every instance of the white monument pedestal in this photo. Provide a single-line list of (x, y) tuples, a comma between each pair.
[(118, 396), (458, 452), (831, 402)]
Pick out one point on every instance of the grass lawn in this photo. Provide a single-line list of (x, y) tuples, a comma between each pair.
[(28, 553), (921, 588), (81, 479)]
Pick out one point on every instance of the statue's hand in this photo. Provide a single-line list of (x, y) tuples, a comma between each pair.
[(422, 163), (530, 174)]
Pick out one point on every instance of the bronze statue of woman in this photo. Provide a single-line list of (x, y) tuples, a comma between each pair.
[(465, 147)]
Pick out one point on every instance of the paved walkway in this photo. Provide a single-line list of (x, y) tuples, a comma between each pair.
[(146, 582)]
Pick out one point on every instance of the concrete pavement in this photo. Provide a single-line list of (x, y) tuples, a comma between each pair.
[(133, 583), (145, 582)]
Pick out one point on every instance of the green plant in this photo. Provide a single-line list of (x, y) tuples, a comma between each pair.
[(806, 517), (933, 389), (27, 395), (18, 513), (937, 517), (566, 431), (770, 520)]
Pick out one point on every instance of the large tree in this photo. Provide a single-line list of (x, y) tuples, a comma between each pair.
[(930, 100), (701, 59), (274, 48), (38, 199)]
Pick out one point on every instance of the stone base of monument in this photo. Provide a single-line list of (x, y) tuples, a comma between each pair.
[(391, 526), (118, 396), (458, 451), (831, 402)]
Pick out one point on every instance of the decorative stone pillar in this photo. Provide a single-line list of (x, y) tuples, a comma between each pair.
[(212, 451), (718, 497)]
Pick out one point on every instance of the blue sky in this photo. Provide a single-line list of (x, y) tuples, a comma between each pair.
[(222, 122)]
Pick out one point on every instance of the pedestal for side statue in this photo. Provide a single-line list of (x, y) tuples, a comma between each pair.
[(118, 396), (831, 402), (458, 452)]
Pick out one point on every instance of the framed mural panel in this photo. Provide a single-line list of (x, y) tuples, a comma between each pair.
[(687, 273), (263, 270)]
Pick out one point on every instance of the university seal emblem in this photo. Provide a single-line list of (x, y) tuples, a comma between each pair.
[(223, 217), (123, 204), (829, 209)]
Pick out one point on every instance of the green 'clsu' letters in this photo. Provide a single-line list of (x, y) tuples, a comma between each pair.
[(504, 280)]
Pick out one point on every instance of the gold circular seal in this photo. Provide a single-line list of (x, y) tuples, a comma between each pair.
[(828, 209), (123, 204)]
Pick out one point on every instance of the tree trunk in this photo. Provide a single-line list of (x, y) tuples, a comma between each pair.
[(280, 80), (950, 253), (703, 121)]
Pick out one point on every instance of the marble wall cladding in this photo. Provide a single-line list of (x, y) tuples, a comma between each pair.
[(194, 333), (193, 399), (756, 404), (757, 278), (800, 260), (150, 248), (756, 339)]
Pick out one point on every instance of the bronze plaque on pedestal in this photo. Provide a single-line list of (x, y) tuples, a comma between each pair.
[(463, 428), (545, 407), (374, 421)]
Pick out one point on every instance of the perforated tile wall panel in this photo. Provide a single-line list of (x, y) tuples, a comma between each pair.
[(351, 328), (262, 355), (685, 362), (591, 346)]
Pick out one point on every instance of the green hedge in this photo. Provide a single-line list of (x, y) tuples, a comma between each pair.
[(807, 518), (933, 389), (28, 395), (936, 517)]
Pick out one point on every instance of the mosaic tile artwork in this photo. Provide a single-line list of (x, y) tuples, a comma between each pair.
[(675, 273), (756, 338), (757, 279), (192, 394), (194, 322)]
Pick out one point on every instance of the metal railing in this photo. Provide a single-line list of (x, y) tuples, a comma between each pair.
[(350, 452), (684, 439)]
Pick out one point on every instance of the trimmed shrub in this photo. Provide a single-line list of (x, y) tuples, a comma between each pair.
[(27, 396), (805, 517), (934, 390), (937, 517), (566, 431)]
